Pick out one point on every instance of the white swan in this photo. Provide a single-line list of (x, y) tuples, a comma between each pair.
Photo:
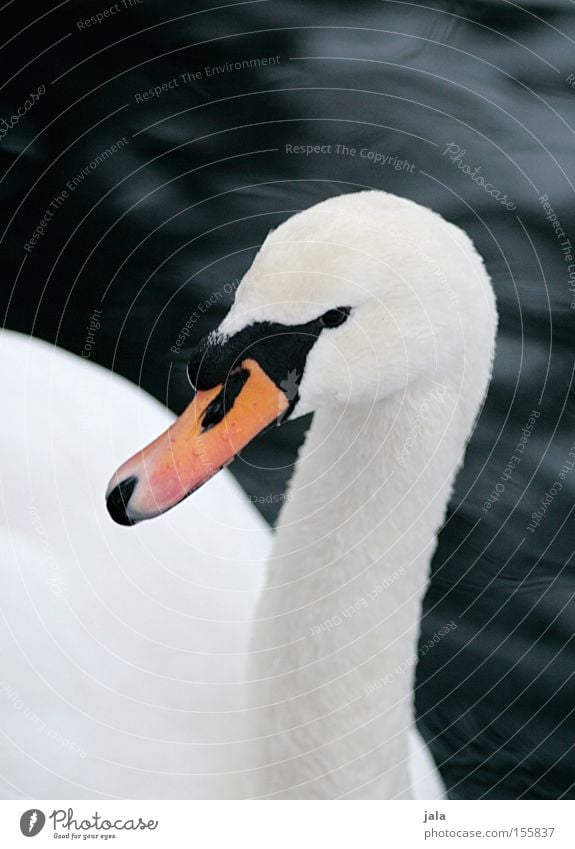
[(379, 316), (121, 655)]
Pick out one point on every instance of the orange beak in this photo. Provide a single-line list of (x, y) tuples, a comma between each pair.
[(204, 438)]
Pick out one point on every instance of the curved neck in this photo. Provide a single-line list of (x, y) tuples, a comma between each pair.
[(337, 624), (370, 480)]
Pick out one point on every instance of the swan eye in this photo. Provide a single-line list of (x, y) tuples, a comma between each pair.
[(333, 318)]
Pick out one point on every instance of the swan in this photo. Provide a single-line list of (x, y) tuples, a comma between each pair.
[(122, 656), (378, 316)]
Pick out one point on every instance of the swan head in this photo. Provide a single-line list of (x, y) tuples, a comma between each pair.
[(347, 302)]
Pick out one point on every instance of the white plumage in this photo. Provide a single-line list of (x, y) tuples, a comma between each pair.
[(123, 651)]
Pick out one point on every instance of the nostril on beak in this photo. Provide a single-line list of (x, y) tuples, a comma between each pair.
[(117, 501)]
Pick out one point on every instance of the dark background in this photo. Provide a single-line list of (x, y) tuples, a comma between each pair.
[(177, 213)]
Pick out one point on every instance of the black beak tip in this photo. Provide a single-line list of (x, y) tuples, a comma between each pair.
[(117, 501)]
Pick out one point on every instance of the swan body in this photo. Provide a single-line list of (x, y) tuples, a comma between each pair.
[(122, 658), (377, 315)]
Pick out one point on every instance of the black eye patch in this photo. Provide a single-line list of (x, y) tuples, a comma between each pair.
[(280, 349)]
